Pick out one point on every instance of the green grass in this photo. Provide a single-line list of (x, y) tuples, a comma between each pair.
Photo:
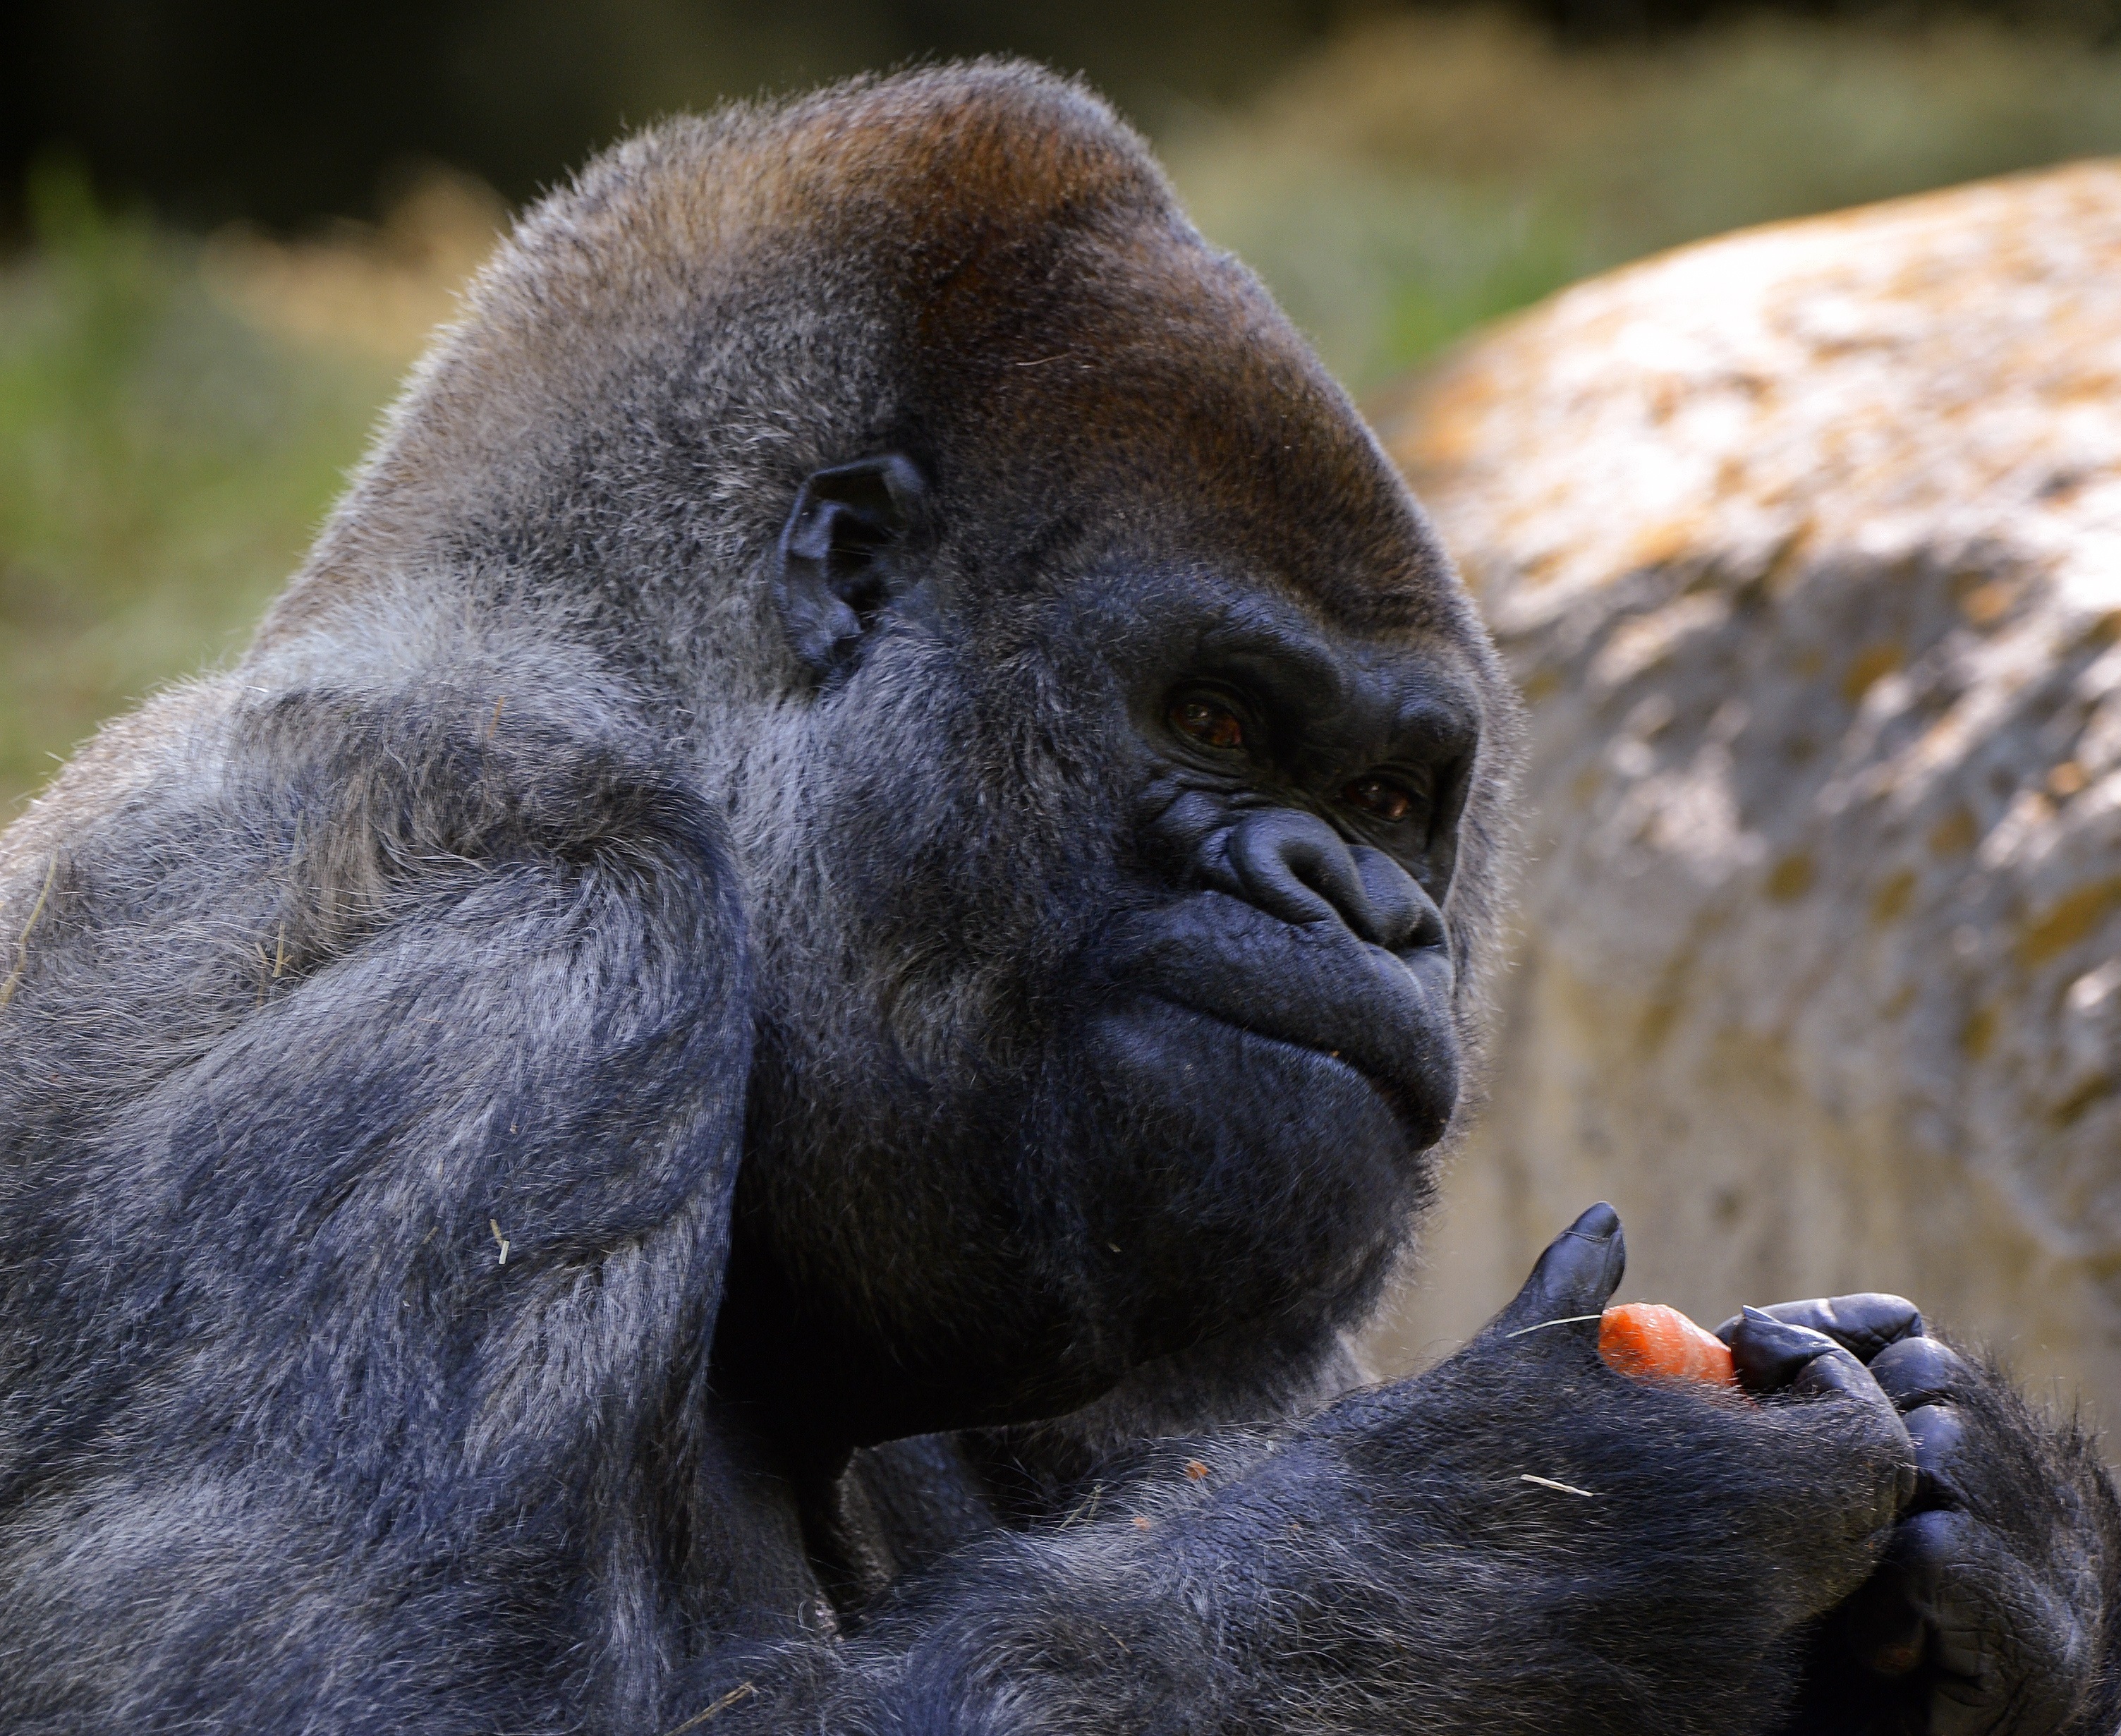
[(166, 449), (162, 464)]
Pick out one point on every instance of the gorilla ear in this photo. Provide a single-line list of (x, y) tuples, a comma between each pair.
[(839, 566)]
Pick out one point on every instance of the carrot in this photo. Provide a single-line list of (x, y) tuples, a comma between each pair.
[(1648, 1340)]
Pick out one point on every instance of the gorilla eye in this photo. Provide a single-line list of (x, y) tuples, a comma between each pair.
[(1388, 801), (1207, 722)]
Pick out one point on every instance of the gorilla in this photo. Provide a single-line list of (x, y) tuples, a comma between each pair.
[(748, 1072)]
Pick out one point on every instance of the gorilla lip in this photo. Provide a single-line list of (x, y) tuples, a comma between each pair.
[(1422, 1130)]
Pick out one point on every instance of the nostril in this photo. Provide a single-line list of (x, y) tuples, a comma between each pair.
[(1295, 866), (1402, 917)]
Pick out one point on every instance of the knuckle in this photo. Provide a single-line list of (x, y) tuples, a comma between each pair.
[(1930, 1543), (1920, 1371), (1938, 1434)]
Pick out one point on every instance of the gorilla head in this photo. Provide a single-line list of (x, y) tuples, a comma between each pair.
[(1111, 757)]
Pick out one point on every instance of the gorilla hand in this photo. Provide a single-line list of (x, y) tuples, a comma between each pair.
[(1653, 1553), (1986, 1612), (1780, 1356)]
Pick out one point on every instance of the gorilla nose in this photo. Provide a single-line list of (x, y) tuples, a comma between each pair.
[(1295, 866)]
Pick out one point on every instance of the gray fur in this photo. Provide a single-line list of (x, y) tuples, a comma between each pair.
[(555, 1158)]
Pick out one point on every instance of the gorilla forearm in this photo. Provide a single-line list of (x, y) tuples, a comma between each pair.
[(270, 1372)]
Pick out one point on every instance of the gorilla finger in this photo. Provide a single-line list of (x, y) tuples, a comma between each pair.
[(1920, 1371), (2000, 1643), (1865, 1323), (1938, 1433), (1838, 1373), (1773, 1356), (1942, 1565), (1903, 1615), (1570, 1285), (1770, 1353)]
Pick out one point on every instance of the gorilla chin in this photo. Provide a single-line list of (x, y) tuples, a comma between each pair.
[(1273, 1088), (1249, 1176)]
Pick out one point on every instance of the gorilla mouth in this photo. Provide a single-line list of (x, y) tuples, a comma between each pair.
[(1313, 989), (1420, 1124)]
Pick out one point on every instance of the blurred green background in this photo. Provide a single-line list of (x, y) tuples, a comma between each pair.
[(226, 228)]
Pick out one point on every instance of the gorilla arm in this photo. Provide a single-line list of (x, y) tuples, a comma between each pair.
[(1522, 1539), (352, 1358)]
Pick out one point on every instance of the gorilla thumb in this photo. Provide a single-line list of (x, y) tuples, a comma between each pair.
[(1570, 1285)]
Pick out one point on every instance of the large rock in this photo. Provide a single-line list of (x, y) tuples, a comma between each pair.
[(1805, 545)]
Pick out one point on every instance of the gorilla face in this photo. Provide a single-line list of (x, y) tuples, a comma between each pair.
[(1292, 827), (1259, 1034), (1128, 883)]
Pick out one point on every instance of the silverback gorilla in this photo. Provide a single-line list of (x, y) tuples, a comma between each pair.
[(746, 1072)]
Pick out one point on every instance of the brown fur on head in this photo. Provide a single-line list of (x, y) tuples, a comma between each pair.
[(980, 251)]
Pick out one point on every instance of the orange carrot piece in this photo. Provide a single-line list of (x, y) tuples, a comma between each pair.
[(1647, 1339)]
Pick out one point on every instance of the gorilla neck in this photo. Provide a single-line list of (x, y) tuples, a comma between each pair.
[(818, 1390), (822, 1385)]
